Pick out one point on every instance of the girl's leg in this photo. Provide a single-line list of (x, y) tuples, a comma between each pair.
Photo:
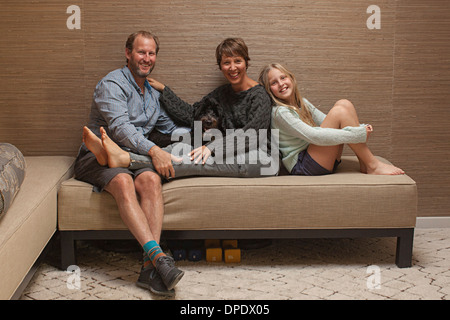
[(343, 114)]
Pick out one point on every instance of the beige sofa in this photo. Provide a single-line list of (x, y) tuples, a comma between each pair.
[(345, 204), (31, 221)]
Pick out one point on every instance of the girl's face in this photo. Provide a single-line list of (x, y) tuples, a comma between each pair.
[(280, 85), (234, 69)]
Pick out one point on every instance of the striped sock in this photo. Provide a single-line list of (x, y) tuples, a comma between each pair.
[(153, 251), (147, 261)]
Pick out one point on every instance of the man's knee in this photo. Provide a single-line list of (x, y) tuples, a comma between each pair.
[(148, 182), (121, 185), (122, 180)]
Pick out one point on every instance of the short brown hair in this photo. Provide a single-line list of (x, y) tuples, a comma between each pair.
[(130, 41), (231, 47)]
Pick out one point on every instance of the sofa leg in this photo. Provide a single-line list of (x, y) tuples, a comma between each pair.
[(403, 257), (67, 249)]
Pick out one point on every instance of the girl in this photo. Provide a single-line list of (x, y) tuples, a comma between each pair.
[(311, 142)]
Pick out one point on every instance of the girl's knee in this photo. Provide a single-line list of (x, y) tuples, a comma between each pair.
[(344, 107), (344, 103)]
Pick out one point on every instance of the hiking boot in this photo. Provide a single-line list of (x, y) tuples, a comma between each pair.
[(170, 274), (151, 280)]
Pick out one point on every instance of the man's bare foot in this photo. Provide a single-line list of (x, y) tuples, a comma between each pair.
[(94, 144), (116, 156), (382, 168)]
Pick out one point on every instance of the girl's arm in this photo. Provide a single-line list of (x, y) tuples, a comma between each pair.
[(317, 115), (289, 123)]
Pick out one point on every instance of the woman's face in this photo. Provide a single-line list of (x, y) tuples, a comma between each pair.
[(280, 85), (234, 69)]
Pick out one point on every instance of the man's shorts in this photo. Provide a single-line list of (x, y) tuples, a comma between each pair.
[(88, 170), (307, 166)]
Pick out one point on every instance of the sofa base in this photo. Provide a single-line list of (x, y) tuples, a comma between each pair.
[(29, 276), (403, 258)]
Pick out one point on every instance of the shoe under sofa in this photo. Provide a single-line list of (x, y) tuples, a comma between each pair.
[(347, 204)]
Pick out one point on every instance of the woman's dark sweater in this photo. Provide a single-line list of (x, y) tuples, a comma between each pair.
[(244, 110)]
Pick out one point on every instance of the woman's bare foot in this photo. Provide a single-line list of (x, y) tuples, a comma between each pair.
[(116, 156), (94, 144), (382, 168)]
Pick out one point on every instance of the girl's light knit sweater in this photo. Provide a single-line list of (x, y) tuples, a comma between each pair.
[(295, 135)]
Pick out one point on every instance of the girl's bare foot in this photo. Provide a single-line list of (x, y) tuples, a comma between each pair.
[(94, 144), (115, 155), (362, 167), (382, 168)]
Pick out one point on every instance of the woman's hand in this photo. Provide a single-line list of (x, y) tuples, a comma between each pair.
[(200, 154), (156, 84)]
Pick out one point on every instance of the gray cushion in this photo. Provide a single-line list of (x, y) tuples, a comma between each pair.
[(12, 173)]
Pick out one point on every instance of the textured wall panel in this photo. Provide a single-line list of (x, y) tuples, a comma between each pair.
[(421, 140), (41, 78), (398, 76)]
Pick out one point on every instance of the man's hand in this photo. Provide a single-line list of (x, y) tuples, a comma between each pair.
[(162, 161)]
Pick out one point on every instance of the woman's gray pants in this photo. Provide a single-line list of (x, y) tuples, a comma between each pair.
[(253, 164)]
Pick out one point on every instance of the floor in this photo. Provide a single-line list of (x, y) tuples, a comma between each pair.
[(306, 269)]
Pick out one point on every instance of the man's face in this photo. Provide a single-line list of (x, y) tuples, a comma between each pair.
[(141, 60)]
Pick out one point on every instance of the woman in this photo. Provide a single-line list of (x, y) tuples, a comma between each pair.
[(244, 105), (311, 142)]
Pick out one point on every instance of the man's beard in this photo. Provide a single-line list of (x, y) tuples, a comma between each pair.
[(137, 71)]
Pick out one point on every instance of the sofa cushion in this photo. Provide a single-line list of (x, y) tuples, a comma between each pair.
[(31, 220), (346, 199), (12, 173)]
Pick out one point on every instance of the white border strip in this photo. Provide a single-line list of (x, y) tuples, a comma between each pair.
[(433, 222)]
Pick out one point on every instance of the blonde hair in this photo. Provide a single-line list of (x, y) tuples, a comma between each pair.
[(299, 107)]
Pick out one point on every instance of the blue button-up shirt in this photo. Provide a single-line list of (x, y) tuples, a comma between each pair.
[(128, 114)]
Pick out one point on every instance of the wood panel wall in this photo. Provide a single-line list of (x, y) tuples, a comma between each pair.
[(421, 100), (397, 76)]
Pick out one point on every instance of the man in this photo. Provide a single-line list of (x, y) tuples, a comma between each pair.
[(128, 108)]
